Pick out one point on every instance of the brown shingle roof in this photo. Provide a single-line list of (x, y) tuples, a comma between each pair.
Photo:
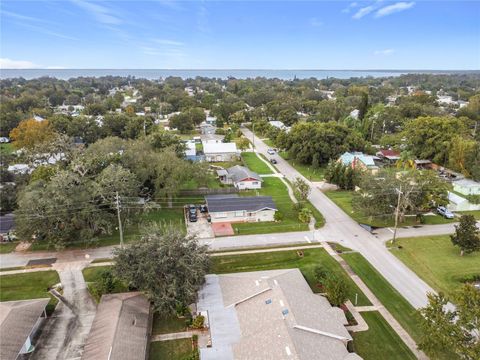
[(120, 328), (17, 319)]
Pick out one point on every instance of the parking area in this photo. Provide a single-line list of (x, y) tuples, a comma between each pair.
[(223, 229), (200, 228)]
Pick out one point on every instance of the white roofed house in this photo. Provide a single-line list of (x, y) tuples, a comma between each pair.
[(219, 151)]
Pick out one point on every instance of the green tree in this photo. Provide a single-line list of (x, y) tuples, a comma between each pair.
[(302, 188), (452, 331), (467, 235), (304, 215), (166, 265)]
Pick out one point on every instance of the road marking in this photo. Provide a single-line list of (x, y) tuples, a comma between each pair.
[(390, 230), (307, 238)]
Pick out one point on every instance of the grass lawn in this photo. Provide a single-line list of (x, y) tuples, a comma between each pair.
[(8, 247), (29, 286), (438, 262), (167, 324), (344, 200), (6, 149), (287, 260), (311, 173), (131, 232), (275, 188), (171, 350), (474, 213), (380, 341), (400, 308), (252, 161)]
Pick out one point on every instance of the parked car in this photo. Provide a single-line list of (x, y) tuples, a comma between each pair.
[(442, 210), (209, 218), (192, 217), (192, 209), (271, 151), (203, 208), (273, 161)]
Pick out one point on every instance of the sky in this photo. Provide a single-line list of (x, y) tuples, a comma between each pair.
[(160, 34)]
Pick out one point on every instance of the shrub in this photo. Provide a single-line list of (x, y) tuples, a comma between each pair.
[(278, 216), (197, 323), (304, 215)]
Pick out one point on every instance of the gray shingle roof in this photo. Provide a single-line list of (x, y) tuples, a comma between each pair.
[(7, 223), (239, 173), (120, 328), (247, 203), (17, 319), (281, 318)]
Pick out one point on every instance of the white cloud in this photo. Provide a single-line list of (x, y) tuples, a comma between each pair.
[(168, 42), (350, 7), (394, 8), (315, 22), (363, 11), (101, 13), (384, 52), (6, 63)]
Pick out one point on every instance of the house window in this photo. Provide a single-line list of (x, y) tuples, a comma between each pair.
[(239, 213), (255, 182)]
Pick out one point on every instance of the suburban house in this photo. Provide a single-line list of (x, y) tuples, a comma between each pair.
[(388, 156), (219, 151), (19, 323), (241, 177), (234, 208), (279, 125), (7, 225), (459, 203), (358, 160), (271, 315), (466, 187), (423, 164), (190, 150), (121, 328)]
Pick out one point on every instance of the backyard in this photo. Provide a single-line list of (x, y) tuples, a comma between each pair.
[(438, 262), (287, 260), (275, 188), (255, 164), (180, 349), (32, 285), (344, 198)]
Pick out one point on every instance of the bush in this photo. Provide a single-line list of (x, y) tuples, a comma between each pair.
[(278, 216), (304, 215), (197, 323)]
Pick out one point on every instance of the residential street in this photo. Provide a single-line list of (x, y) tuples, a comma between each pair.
[(340, 227)]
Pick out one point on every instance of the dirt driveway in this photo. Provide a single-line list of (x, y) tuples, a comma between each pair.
[(201, 229)]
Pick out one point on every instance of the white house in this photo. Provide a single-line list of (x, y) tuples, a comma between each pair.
[(279, 125), (459, 203), (467, 187), (241, 177), (219, 151), (234, 208)]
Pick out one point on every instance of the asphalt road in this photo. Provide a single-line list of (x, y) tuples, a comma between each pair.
[(341, 228)]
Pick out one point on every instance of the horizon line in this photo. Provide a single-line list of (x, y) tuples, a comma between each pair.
[(243, 69)]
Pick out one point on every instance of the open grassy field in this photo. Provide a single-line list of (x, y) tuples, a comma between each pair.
[(275, 188), (474, 213), (29, 286), (287, 260), (438, 262), (380, 341), (252, 161), (171, 350), (344, 200), (310, 172)]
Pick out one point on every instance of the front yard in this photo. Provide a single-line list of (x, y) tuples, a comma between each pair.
[(287, 260), (344, 200), (438, 262), (255, 164), (32, 285), (380, 341), (275, 188)]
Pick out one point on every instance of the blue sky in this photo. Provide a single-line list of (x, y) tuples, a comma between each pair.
[(240, 34)]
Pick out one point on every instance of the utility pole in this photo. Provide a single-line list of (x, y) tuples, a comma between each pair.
[(120, 229), (397, 210), (253, 128)]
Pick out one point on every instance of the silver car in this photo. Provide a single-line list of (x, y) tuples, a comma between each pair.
[(442, 210)]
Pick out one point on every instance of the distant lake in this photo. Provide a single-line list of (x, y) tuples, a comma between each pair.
[(153, 74)]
